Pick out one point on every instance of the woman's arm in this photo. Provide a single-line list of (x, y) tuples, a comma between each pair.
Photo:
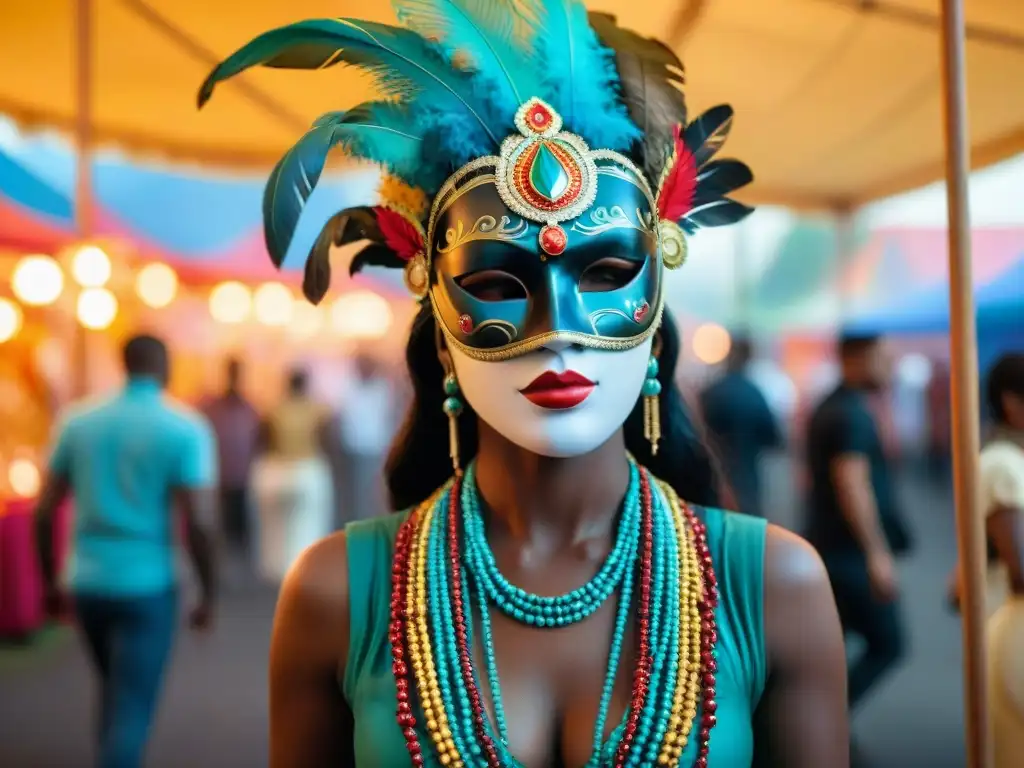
[(310, 722), (801, 721)]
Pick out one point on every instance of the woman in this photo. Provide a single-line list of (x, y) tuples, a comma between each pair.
[(1001, 467), (544, 599)]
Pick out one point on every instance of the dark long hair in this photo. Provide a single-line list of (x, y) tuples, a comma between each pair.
[(418, 462)]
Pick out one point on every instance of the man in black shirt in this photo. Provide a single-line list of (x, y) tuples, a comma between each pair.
[(742, 426), (853, 519)]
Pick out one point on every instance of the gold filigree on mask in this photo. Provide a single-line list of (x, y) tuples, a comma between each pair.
[(612, 217), (502, 325), (484, 228), (597, 315), (532, 343)]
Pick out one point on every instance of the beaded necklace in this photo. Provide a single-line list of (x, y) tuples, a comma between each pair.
[(444, 572)]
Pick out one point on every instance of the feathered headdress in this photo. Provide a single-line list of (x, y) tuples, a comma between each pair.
[(452, 82)]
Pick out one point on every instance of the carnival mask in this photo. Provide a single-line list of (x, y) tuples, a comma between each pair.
[(549, 242), (524, 234)]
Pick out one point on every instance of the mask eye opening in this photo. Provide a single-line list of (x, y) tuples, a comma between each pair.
[(492, 285), (609, 274)]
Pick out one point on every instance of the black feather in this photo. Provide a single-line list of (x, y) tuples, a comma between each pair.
[(353, 225), (706, 135), (716, 213), (720, 177), (316, 279), (651, 76), (374, 255)]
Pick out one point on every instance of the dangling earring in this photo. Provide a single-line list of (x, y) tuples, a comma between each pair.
[(452, 408), (652, 409)]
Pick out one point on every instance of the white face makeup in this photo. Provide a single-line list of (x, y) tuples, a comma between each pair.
[(560, 415)]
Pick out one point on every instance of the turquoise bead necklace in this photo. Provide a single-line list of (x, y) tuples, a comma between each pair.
[(484, 587), (545, 611)]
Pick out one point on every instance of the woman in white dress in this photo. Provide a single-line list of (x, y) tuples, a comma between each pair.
[(1002, 503), (292, 481)]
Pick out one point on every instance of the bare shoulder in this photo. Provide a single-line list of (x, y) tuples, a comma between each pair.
[(790, 563), (800, 612), (313, 606)]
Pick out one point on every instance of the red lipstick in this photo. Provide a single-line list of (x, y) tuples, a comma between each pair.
[(558, 391)]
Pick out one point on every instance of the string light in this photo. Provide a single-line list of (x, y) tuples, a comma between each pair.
[(156, 285), (91, 267), (361, 315), (272, 304), (37, 280), (23, 477), (97, 308), (307, 320), (230, 302), (711, 343), (10, 320)]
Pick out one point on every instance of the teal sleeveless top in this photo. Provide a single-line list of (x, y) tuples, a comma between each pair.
[(737, 545)]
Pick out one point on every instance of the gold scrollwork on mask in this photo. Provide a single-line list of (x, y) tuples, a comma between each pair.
[(485, 228), (504, 326), (601, 313), (613, 217)]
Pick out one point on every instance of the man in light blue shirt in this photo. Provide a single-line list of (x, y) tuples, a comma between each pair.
[(130, 461)]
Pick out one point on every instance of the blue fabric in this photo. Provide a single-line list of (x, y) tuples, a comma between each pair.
[(124, 457), (999, 303), (130, 640)]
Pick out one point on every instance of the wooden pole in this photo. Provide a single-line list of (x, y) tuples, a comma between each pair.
[(964, 386), (83, 180)]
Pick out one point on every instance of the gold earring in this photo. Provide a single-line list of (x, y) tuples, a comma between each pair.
[(652, 406), (452, 408)]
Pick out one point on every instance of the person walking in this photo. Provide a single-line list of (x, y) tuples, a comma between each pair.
[(236, 424), (742, 427), (130, 461), (853, 517)]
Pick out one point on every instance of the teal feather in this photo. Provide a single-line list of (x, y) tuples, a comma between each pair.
[(381, 132), (582, 78), (385, 133), (498, 44), (403, 63)]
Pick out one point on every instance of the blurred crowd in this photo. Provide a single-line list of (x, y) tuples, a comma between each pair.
[(150, 475)]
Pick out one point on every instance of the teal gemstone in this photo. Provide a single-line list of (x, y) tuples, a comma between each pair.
[(547, 174), (652, 368), (452, 406), (451, 386), (652, 388)]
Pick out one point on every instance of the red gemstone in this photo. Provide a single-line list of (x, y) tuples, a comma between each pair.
[(641, 312), (466, 324), (539, 118), (553, 240)]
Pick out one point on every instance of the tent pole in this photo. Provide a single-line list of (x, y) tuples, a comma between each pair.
[(964, 386), (846, 247), (83, 178)]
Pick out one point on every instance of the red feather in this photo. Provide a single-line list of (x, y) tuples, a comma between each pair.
[(680, 186), (400, 234)]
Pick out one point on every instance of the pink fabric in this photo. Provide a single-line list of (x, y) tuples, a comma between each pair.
[(21, 584)]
